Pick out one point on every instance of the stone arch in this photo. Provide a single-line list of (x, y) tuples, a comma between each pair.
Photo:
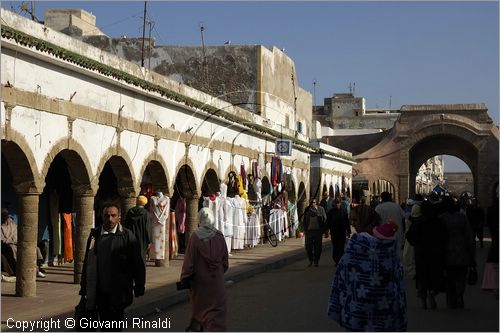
[(119, 162), (210, 182), (156, 166), (210, 165), (324, 189), (434, 145), (186, 162), (266, 186), (185, 182), (331, 191), (382, 184), (77, 162), (292, 193), (22, 165), (301, 193)]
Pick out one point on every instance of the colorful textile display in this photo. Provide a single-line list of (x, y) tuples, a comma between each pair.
[(243, 174), (68, 237), (173, 248)]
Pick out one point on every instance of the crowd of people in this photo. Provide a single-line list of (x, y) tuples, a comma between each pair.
[(430, 239)]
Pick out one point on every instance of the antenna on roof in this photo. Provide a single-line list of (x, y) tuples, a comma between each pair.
[(390, 102), (314, 94), (151, 24), (143, 33), (202, 29)]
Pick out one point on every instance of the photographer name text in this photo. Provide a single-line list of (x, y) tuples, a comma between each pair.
[(51, 324)]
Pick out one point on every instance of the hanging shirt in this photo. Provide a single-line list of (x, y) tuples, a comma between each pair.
[(180, 215)]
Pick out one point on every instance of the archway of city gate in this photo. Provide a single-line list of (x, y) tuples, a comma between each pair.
[(441, 145)]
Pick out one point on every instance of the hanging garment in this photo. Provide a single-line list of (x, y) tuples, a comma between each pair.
[(180, 215), (252, 230), (222, 211), (224, 220), (68, 237), (214, 206), (281, 177), (240, 185), (293, 218), (173, 248), (232, 184), (159, 213), (239, 222), (280, 219), (220, 173), (273, 171), (55, 220), (243, 174)]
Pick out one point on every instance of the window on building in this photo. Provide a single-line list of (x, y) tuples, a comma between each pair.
[(287, 121), (299, 127)]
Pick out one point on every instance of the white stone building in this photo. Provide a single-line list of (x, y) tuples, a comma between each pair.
[(90, 126)]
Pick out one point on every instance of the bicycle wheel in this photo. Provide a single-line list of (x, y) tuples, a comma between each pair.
[(271, 237)]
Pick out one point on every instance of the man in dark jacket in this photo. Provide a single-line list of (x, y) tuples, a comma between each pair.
[(338, 223), (138, 221), (113, 268), (314, 226)]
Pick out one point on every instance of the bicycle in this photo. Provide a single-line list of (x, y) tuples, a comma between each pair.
[(270, 234)]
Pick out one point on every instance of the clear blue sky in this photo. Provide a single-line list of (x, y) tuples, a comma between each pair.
[(407, 52)]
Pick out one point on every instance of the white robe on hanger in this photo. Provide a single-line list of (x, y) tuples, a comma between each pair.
[(159, 214)]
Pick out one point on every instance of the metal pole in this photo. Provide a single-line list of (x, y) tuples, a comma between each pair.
[(205, 68), (32, 10), (143, 33), (149, 43)]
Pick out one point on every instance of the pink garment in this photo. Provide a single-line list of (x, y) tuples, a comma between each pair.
[(180, 215), (205, 263)]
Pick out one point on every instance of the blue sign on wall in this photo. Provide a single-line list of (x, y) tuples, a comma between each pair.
[(284, 147)]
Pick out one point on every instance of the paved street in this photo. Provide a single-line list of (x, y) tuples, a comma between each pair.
[(294, 298)]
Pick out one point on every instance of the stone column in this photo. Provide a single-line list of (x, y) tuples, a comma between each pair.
[(128, 199), (84, 206), (404, 187), (166, 261), (191, 216), (26, 245), (302, 205)]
